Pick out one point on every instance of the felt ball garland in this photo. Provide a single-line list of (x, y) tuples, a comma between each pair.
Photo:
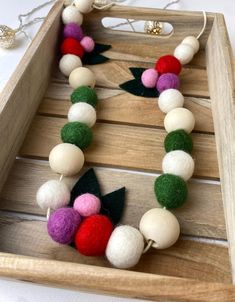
[(83, 217)]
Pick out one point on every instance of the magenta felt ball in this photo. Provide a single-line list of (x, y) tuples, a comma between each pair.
[(62, 225), (88, 44), (87, 204), (72, 30), (149, 78), (168, 81)]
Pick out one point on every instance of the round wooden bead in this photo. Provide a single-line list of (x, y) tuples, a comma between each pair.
[(170, 99), (53, 194), (84, 6), (66, 159), (178, 163), (68, 63), (83, 113), (179, 118), (193, 42), (82, 76), (160, 226), (71, 14), (125, 247), (184, 53)]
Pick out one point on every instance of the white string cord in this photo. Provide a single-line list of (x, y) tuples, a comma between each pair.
[(204, 25)]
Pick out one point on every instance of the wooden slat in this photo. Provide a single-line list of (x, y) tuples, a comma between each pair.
[(196, 216), (120, 146), (30, 238), (129, 109)]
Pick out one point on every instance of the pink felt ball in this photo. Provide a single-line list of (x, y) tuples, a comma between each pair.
[(87, 204), (88, 44), (149, 78)]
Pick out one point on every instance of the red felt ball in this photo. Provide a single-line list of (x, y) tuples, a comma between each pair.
[(93, 235), (168, 64), (72, 46)]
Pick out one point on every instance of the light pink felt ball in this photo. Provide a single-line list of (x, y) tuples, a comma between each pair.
[(88, 44), (87, 204), (149, 78)]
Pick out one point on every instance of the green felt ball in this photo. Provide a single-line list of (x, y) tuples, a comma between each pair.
[(84, 94), (171, 191), (76, 133), (178, 140)]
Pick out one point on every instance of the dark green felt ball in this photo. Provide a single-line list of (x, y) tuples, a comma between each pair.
[(171, 191), (84, 94), (76, 133), (178, 140)]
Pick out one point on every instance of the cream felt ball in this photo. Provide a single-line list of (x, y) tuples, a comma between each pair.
[(81, 76), (68, 63), (66, 159), (170, 99), (84, 6), (160, 226), (53, 194), (71, 14), (83, 113), (193, 42), (178, 163), (125, 247), (184, 53), (179, 119)]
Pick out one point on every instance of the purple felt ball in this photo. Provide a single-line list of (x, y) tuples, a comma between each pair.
[(168, 81), (63, 224), (87, 204), (72, 30), (149, 78), (88, 44)]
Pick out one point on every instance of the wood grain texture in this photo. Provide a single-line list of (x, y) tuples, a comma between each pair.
[(223, 106), (21, 91), (114, 281), (185, 259), (120, 146), (195, 217)]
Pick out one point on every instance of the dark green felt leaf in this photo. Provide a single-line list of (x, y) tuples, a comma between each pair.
[(94, 59), (87, 183), (136, 87), (137, 72), (100, 48), (113, 205)]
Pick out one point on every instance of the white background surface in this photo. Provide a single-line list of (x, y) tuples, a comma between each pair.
[(15, 291)]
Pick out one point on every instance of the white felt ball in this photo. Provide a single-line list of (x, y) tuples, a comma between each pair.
[(68, 63), (193, 42), (53, 194), (184, 53), (179, 118), (71, 14), (81, 76), (170, 99), (161, 226), (66, 159), (125, 247), (84, 6), (179, 163), (83, 113)]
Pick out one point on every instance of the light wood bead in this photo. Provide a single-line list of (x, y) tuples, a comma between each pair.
[(84, 6), (81, 76), (72, 15), (66, 159), (68, 63), (179, 118), (184, 53), (193, 42), (161, 226)]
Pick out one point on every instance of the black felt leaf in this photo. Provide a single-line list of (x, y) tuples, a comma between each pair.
[(87, 183), (94, 59), (100, 48), (137, 72), (136, 87), (113, 205)]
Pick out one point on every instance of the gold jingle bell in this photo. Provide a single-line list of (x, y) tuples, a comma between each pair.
[(7, 36), (153, 27)]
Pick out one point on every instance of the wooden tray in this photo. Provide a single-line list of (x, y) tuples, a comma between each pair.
[(127, 150)]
